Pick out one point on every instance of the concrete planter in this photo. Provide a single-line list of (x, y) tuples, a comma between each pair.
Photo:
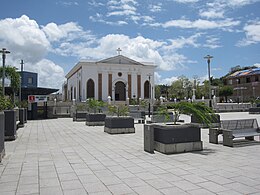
[(214, 123), (119, 125), (25, 115), (255, 110), (10, 125), (95, 119), (21, 117), (169, 139), (2, 135), (79, 116)]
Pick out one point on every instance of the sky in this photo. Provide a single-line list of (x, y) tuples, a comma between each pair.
[(51, 36)]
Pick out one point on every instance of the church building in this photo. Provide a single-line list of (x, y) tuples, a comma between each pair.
[(118, 77)]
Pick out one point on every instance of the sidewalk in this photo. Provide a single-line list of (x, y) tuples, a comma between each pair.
[(59, 156)]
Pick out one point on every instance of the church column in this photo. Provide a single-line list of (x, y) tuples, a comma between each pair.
[(138, 86), (110, 85), (129, 86), (100, 86)]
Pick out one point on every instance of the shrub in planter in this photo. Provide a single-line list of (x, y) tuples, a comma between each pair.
[(121, 123), (80, 114), (176, 137), (92, 117)]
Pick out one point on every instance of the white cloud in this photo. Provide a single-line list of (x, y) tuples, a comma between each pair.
[(202, 24), (186, 1), (257, 65), (122, 7), (183, 41), (212, 13), (252, 32), (155, 8), (50, 74), (27, 41), (212, 42), (24, 38), (163, 81)]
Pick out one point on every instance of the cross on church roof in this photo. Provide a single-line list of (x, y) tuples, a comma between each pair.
[(119, 51)]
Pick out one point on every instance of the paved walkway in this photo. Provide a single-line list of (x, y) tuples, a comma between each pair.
[(63, 157)]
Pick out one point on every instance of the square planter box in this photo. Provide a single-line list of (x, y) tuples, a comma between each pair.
[(10, 125), (95, 119), (79, 116), (170, 139), (119, 125), (2, 135)]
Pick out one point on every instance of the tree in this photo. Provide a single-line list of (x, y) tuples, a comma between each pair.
[(181, 88), (10, 73), (226, 91)]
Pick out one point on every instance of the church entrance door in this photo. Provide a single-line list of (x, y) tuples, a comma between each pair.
[(120, 91)]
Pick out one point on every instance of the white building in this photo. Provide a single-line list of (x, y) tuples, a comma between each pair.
[(118, 77)]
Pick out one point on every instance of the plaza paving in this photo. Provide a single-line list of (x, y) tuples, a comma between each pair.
[(59, 156)]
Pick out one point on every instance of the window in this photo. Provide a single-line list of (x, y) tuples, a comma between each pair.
[(248, 79), (30, 80), (256, 78)]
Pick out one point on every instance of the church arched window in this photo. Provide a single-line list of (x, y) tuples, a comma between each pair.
[(146, 90), (90, 89)]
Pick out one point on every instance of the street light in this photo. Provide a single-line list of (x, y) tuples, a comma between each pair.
[(4, 52), (21, 78), (209, 57)]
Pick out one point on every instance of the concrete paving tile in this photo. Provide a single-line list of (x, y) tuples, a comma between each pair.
[(95, 187), (185, 185), (110, 180), (88, 179), (28, 180), (159, 183), (8, 187), (145, 176), (103, 173), (81, 191), (67, 176), (173, 190), (46, 175), (193, 178), (9, 178), (245, 180), (120, 189), (49, 182), (241, 188), (134, 182), (229, 192), (28, 189), (124, 174), (71, 185), (51, 190), (101, 193), (200, 192), (146, 190), (170, 177), (219, 179)]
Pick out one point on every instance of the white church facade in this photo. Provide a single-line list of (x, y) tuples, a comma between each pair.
[(118, 77)]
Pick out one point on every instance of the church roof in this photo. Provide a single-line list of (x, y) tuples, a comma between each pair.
[(119, 59)]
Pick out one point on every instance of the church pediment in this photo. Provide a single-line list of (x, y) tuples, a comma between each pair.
[(120, 60)]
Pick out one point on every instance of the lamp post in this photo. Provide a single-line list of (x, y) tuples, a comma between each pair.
[(4, 52), (209, 57), (21, 78)]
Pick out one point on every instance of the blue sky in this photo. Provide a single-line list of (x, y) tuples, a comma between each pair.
[(52, 36)]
